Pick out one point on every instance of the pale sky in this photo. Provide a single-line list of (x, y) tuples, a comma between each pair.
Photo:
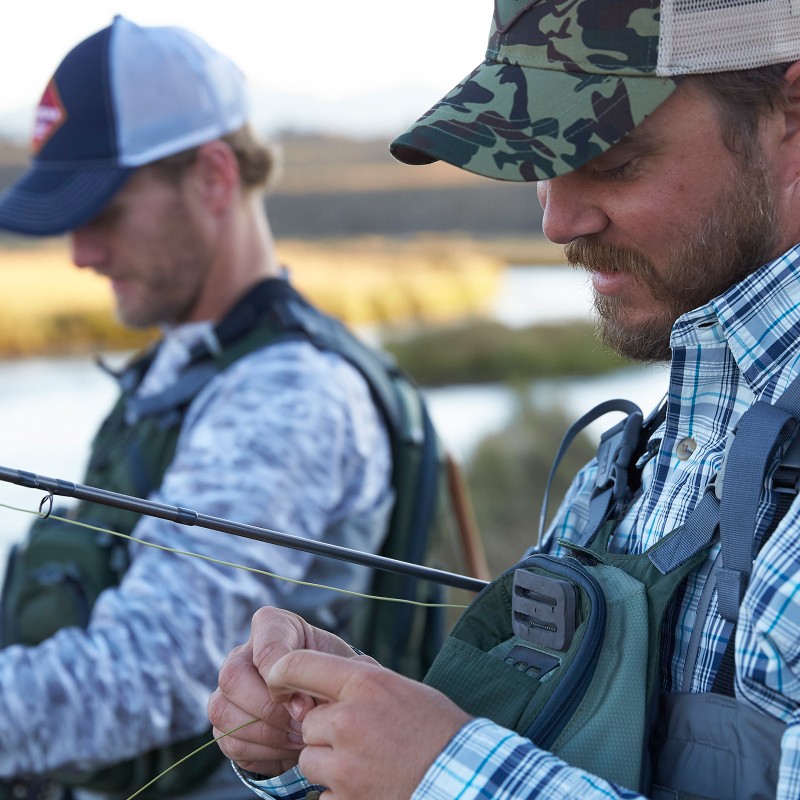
[(330, 49)]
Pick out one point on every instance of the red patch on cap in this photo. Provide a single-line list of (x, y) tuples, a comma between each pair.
[(50, 116)]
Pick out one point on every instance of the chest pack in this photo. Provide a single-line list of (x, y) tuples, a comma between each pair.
[(566, 650), (54, 577)]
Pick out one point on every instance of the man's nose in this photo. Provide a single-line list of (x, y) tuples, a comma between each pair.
[(87, 247), (570, 209)]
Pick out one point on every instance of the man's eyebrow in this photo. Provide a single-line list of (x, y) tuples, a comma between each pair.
[(633, 144), (107, 213), (639, 140)]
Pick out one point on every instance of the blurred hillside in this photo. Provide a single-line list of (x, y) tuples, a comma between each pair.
[(336, 187), (371, 240), (12, 162)]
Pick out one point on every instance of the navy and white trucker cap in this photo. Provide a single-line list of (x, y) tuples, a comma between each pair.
[(126, 96)]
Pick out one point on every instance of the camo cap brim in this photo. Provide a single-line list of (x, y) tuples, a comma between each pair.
[(562, 82)]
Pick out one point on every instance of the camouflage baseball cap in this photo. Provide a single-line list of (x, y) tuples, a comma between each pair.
[(564, 80)]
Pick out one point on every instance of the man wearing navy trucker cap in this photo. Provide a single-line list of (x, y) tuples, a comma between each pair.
[(664, 138), (143, 155)]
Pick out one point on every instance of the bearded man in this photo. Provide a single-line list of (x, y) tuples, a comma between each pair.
[(665, 142)]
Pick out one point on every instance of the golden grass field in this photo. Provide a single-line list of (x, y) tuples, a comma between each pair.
[(49, 306)]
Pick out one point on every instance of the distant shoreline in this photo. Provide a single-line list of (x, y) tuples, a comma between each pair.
[(47, 307)]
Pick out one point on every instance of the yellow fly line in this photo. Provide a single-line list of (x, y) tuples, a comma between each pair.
[(230, 564)]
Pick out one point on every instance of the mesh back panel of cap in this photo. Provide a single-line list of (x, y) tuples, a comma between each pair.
[(720, 35), (172, 93)]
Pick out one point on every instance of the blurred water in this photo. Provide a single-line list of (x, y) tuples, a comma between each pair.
[(542, 294), (50, 407)]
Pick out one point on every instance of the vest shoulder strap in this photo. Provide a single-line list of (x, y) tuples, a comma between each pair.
[(620, 448)]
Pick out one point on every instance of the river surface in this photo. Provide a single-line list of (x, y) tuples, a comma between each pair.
[(50, 407)]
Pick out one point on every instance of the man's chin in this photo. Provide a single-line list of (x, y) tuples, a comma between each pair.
[(644, 341), (135, 321)]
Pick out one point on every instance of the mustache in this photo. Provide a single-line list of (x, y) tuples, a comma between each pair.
[(596, 256)]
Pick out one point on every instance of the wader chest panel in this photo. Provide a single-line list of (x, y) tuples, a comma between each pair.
[(712, 747)]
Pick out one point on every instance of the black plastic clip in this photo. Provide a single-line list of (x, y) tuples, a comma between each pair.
[(615, 452), (543, 609)]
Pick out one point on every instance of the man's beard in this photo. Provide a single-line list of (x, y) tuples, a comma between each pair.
[(738, 237)]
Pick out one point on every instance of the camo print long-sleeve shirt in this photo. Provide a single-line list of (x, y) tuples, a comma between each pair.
[(286, 438), (741, 347)]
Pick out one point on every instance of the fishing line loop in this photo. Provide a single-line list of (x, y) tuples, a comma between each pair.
[(48, 498)]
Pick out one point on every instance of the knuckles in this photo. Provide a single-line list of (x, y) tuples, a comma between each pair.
[(220, 711)]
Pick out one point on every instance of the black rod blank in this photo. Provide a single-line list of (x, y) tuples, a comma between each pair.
[(185, 516)]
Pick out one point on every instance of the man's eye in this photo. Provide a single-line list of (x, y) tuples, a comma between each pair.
[(105, 219), (617, 171)]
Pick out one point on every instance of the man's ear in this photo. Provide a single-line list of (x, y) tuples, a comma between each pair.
[(792, 112), (786, 145), (215, 175)]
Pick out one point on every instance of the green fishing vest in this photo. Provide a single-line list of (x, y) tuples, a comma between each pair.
[(54, 578)]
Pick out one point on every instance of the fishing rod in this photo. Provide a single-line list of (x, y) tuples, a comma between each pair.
[(186, 516)]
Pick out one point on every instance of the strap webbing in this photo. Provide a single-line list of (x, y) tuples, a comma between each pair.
[(697, 532), (724, 679), (703, 607), (762, 429)]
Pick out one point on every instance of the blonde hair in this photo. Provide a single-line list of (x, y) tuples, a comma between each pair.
[(256, 159)]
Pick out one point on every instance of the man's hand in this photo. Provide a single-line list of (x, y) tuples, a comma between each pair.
[(372, 733), (270, 745)]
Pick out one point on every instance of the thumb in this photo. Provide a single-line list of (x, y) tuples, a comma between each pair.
[(322, 676), (275, 632)]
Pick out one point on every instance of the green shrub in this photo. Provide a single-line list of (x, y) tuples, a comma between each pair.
[(507, 476), (487, 352)]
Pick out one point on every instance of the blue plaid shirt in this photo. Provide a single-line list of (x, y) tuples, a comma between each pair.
[(740, 347)]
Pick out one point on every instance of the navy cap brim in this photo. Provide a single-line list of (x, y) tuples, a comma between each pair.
[(48, 200)]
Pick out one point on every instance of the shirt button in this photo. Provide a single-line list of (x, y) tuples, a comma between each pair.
[(685, 448)]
